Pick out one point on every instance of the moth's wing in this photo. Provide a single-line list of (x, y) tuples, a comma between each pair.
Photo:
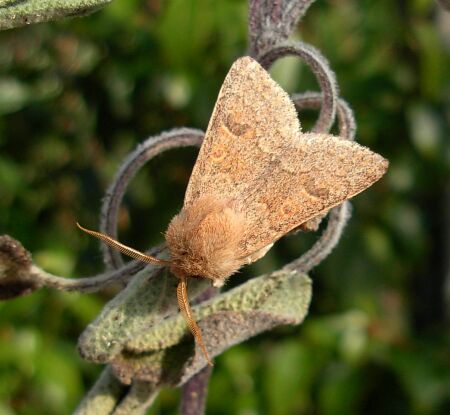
[(252, 125), (255, 155), (318, 172)]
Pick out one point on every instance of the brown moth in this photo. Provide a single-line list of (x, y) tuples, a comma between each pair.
[(256, 178)]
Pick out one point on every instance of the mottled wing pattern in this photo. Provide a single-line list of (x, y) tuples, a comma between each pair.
[(255, 155), (319, 172), (251, 109)]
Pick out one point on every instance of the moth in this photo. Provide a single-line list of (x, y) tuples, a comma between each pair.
[(257, 177)]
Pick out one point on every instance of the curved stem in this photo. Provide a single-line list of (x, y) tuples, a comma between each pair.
[(193, 395), (272, 22), (138, 399), (321, 69), (346, 118), (17, 270), (86, 285), (297, 8), (338, 216), (337, 219), (103, 396), (151, 147)]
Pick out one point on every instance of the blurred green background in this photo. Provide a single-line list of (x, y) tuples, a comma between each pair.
[(76, 96)]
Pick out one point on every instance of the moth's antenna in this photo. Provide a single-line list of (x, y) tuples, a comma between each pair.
[(124, 249), (185, 308)]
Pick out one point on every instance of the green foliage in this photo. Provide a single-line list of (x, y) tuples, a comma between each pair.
[(78, 95)]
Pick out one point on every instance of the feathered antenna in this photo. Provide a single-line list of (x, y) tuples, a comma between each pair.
[(133, 253), (183, 303)]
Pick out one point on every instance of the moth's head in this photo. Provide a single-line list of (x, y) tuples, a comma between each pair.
[(203, 240)]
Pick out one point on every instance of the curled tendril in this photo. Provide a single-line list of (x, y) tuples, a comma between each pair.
[(321, 69), (152, 146), (272, 22), (18, 278), (338, 216), (345, 117)]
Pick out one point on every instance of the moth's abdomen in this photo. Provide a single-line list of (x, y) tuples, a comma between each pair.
[(203, 239)]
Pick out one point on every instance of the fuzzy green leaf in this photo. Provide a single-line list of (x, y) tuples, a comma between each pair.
[(16, 13), (146, 300), (135, 334)]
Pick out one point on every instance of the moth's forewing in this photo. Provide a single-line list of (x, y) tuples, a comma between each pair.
[(253, 124)]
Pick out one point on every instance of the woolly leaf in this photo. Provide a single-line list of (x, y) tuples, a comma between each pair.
[(16, 13), (133, 335)]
